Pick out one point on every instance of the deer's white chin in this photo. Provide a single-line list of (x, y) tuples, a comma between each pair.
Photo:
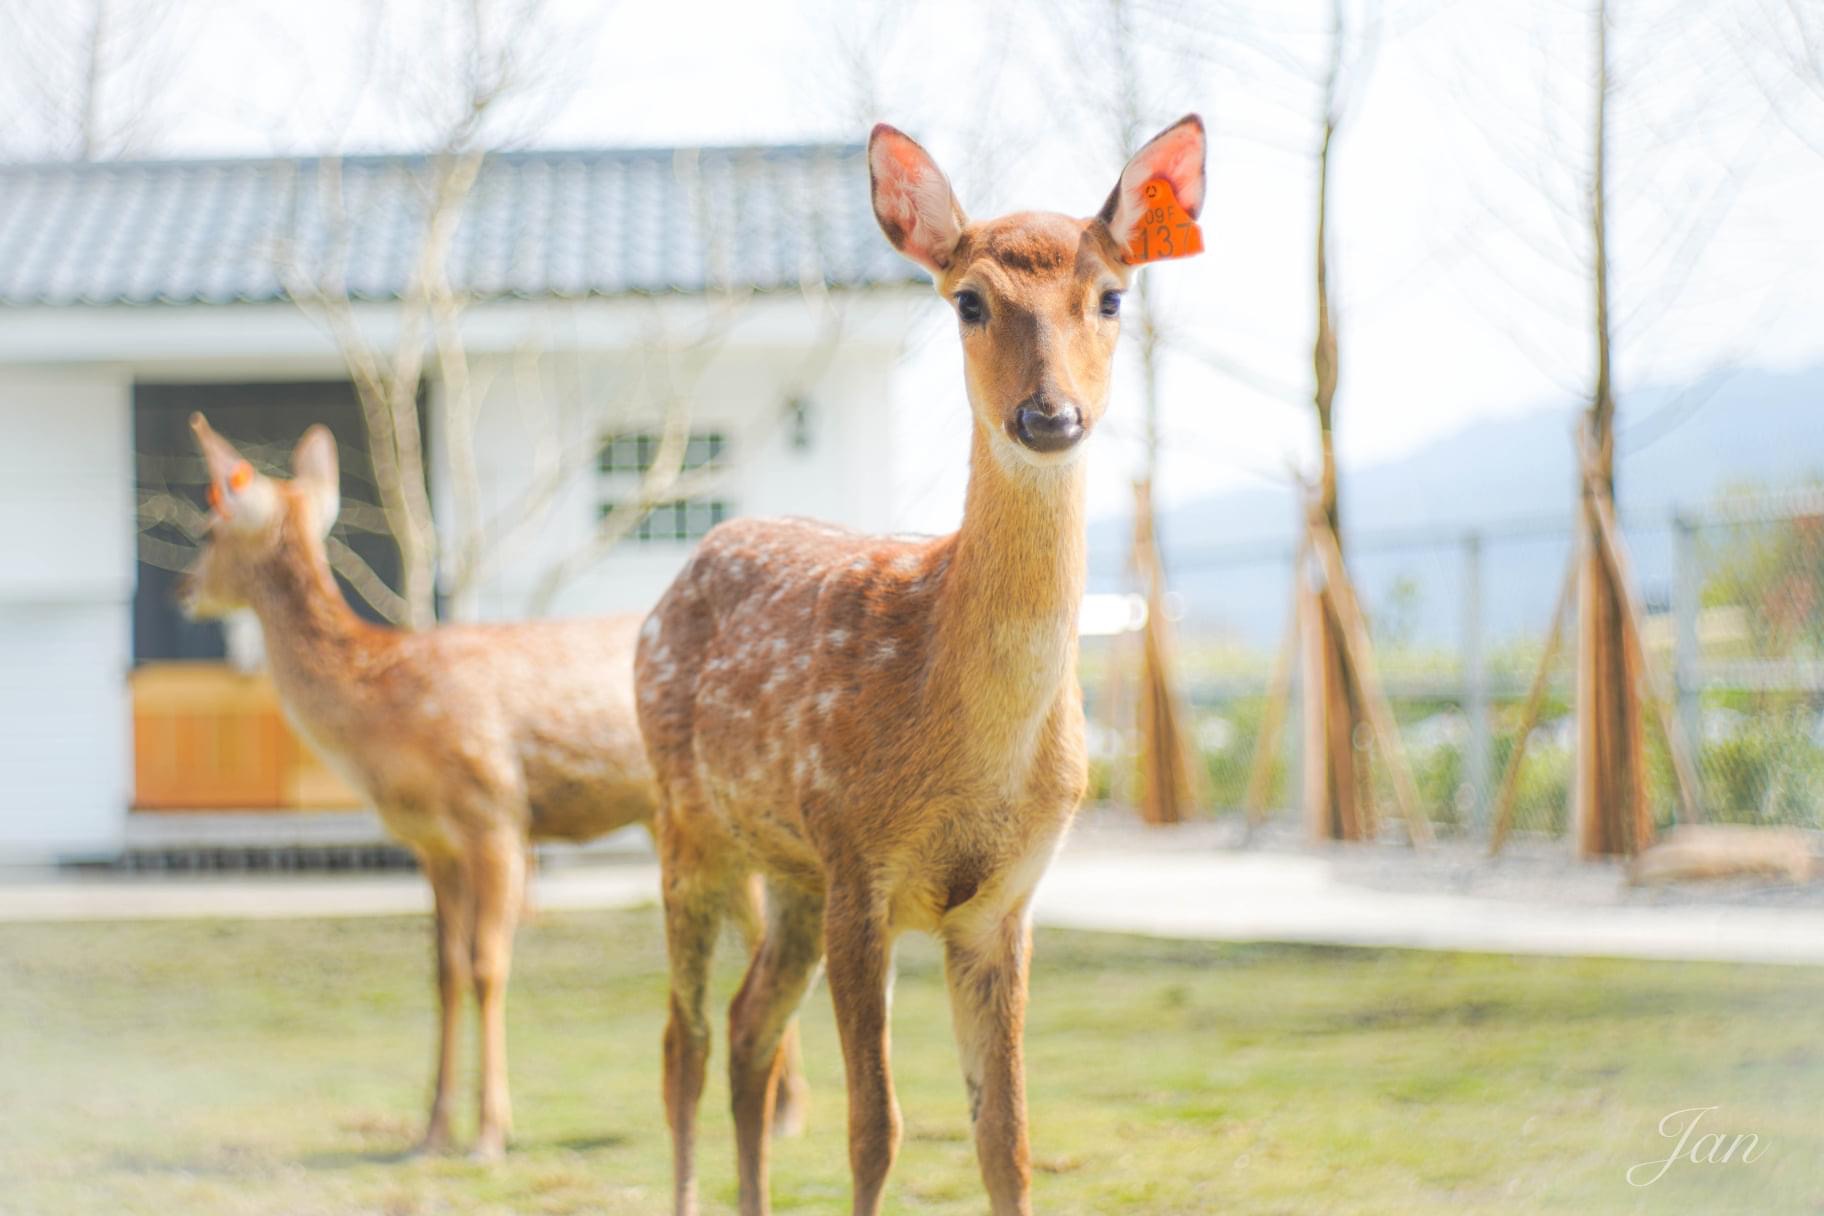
[(1016, 456)]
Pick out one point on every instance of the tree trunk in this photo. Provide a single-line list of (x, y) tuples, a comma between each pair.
[(1336, 772), (1610, 807), (1610, 800)]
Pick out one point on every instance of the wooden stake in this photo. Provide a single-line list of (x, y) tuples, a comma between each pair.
[(1279, 692), (1614, 554), (1529, 717), (1360, 652), (1170, 788)]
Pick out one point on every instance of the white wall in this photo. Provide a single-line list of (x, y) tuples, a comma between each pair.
[(844, 474), (66, 586)]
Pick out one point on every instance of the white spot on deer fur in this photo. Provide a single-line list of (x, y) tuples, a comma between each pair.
[(885, 652), (649, 632), (837, 638), (826, 701), (860, 565), (813, 762), (906, 563)]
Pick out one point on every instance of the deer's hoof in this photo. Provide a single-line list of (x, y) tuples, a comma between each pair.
[(489, 1148), (790, 1109), (434, 1143)]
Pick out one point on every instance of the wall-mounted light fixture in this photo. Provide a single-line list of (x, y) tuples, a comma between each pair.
[(801, 411)]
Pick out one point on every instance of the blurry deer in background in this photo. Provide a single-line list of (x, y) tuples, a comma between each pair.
[(470, 741), (891, 731)]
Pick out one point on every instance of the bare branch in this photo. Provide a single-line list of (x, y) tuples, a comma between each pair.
[(366, 583)]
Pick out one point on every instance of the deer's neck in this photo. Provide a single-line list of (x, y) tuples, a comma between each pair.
[(1006, 627), (312, 636)]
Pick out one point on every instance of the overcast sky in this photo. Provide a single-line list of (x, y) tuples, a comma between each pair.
[(1456, 182)]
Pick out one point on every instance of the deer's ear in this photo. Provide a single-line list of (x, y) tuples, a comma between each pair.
[(243, 499), (912, 199), (1176, 155), (314, 470)]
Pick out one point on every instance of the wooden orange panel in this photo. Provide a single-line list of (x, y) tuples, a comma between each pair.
[(208, 737)]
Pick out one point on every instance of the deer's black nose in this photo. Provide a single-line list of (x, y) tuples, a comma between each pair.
[(1048, 429)]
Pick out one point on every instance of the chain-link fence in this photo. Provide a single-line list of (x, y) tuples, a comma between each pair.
[(1734, 601)]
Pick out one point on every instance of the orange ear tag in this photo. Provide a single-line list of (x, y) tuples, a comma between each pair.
[(1165, 230), (239, 478)]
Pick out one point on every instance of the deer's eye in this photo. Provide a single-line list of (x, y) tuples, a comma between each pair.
[(1111, 304), (970, 308)]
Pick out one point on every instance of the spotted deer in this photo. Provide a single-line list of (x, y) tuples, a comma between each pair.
[(471, 741), (890, 731)]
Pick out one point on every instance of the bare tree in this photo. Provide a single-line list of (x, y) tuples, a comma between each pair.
[(1781, 43), (1336, 788), (78, 78), (1610, 795), (482, 80), (1649, 83), (480, 77)]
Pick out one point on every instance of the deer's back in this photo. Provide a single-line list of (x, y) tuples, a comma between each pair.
[(468, 726)]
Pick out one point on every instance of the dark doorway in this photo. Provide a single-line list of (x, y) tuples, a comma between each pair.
[(264, 421)]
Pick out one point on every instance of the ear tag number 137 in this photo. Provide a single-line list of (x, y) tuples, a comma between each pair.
[(1165, 230)]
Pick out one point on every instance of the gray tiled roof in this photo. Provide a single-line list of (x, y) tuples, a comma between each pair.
[(538, 225)]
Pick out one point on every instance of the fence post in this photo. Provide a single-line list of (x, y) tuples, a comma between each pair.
[(1687, 590), (1477, 755), (1295, 702)]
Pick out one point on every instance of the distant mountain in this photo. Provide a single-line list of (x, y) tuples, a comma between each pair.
[(1511, 480)]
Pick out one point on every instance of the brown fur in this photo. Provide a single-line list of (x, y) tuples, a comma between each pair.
[(471, 741), (890, 731)]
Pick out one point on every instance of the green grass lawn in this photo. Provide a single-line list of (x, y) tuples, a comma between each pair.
[(238, 1067)]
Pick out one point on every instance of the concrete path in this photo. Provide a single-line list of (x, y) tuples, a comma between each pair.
[(281, 897), (1246, 897), (1208, 895)]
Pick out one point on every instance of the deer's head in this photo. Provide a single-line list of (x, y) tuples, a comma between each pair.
[(255, 520), (1037, 295)]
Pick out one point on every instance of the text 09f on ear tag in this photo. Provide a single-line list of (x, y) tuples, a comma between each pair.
[(1165, 230)]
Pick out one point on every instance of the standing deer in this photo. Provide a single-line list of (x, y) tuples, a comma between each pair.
[(890, 731), (471, 741)]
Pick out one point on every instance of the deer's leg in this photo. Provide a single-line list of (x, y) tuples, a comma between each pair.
[(693, 914), (859, 946), (985, 966), (449, 882), (791, 1093), (498, 867), (757, 1024)]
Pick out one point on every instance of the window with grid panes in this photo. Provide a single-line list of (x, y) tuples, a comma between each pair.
[(623, 464)]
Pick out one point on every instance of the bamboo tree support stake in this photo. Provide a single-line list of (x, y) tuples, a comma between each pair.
[(1529, 717), (1119, 716), (1279, 694), (1170, 785), (1614, 555), (1341, 597)]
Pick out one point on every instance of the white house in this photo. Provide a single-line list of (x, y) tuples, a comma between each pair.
[(751, 281)]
